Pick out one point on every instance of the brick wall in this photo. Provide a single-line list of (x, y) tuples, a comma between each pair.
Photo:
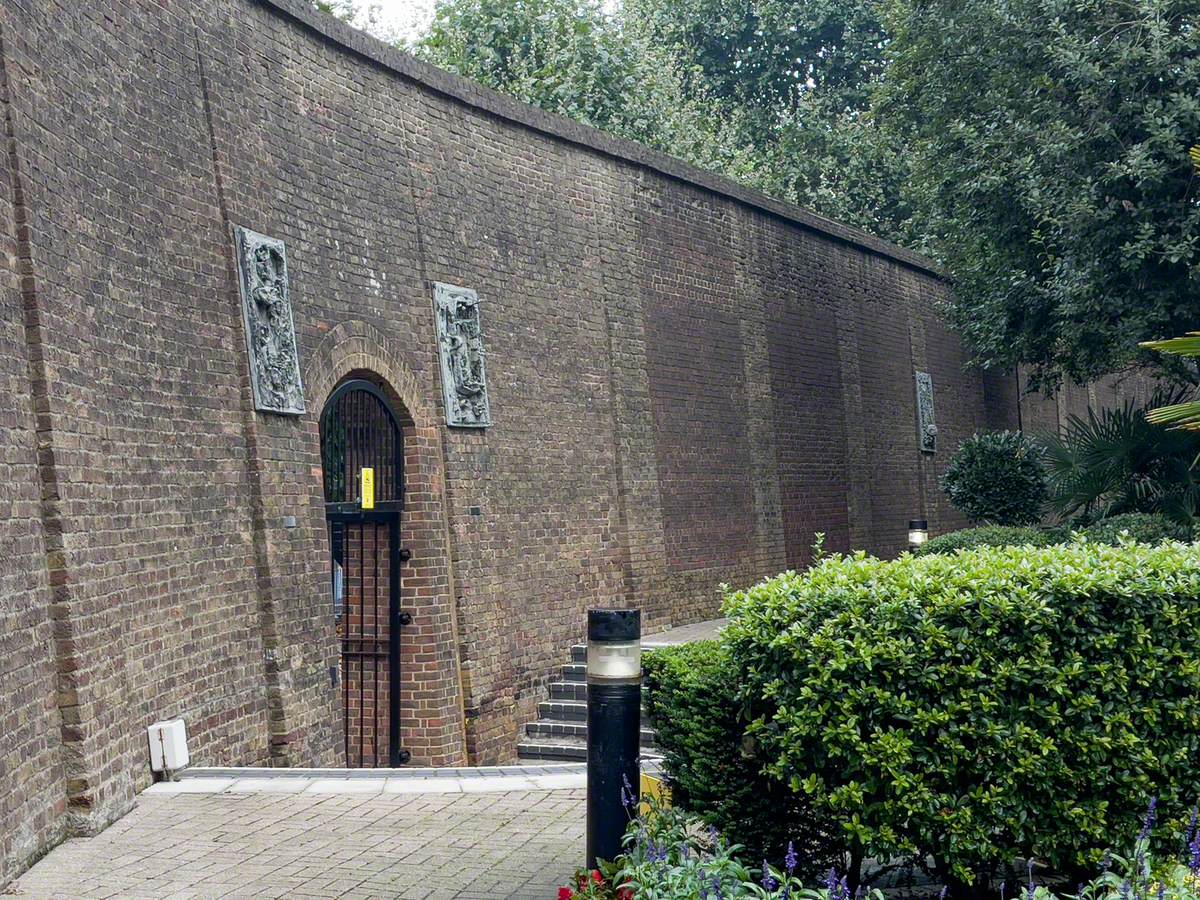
[(687, 380)]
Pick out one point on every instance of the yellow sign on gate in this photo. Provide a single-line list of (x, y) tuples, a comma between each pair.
[(368, 488)]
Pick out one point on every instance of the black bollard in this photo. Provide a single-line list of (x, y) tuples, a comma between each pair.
[(614, 724)]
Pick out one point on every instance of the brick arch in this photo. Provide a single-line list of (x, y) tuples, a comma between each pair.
[(357, 346), (432, 719)]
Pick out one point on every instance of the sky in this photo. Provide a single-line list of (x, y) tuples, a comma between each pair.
[(393, 19)]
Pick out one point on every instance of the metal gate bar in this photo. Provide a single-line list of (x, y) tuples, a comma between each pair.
[(359, 429)]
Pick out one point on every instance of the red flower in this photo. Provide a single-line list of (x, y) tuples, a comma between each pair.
[(597, 877), (625, 894), (565, 893)]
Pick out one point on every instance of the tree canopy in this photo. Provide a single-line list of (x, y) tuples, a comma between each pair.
[(1049, 143)]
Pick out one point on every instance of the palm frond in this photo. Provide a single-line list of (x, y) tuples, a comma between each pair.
[(1177, 415), (1118, 461), (1188, 345)]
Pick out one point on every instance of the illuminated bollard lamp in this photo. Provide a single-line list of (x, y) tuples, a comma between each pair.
[(614, 722), (918, 533)]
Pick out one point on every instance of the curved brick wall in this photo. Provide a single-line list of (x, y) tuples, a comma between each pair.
[(687, 381)]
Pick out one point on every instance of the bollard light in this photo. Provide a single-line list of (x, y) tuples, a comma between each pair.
[(614, 724), (918, 533)]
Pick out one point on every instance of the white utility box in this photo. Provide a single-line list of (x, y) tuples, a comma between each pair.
[(168, 746)]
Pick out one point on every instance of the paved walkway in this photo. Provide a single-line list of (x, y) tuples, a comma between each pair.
[(699, 631), (470, 836)]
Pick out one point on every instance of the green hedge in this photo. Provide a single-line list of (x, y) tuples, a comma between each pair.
[(691, 696), (1145, 528), (993, 704), (997, 478), (993, 536)]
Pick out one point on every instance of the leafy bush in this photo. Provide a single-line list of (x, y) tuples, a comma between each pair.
[(993, 536), (997, 478), (691, 695), (1116, 461), (665, 859), (975, 708), (1145, 528)]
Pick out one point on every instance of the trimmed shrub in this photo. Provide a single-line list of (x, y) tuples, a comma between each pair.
[(976, 708), (997, 478), (691, 695), (1145, 528), (993, 536)]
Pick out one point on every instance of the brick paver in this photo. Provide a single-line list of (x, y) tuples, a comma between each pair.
[(519, 844)]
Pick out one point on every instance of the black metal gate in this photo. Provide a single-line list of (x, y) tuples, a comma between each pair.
[(362, 455)]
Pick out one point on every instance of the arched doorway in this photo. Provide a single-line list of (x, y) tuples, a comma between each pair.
[(362, 458)]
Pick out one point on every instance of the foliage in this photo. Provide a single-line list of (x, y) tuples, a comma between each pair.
[(1144, 528), (1049, 144), (1185, 414), (775, 95), (993, 536), (691, 695), (791, 84), (573, 58), (1116, 461), (976, 708), (668, 857), (998, 478)]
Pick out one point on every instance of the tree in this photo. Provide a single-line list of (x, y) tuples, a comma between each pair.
[(1050, 157), (773, 94), (1185, 414), (566, 56)]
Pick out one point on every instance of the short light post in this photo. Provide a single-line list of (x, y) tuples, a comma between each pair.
[(614, 724), (918, 533)]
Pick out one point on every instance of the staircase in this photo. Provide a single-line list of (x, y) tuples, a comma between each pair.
[(560, 733)]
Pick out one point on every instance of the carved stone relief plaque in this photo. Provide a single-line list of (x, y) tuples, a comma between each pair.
[(270, 332), (460, 347), (926, 429)]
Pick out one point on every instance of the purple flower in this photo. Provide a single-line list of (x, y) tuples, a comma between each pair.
[(768, 880), (656, 854), (1151, 819), (942, 895), (716, 886), (628, 798), (1194, 853), (831, 882), (1125, 890), (1002, 886), (790, 860)]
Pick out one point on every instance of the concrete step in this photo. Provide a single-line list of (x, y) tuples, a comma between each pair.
[(553, 750), (554, 730), (570, 711), (568, 690), (579, 653), (575, 672), (563, 710)]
